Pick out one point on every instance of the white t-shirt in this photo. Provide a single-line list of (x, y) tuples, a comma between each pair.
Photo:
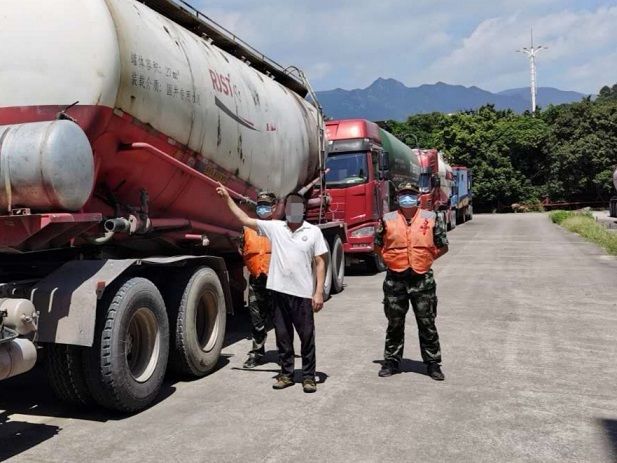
[(291, 263)]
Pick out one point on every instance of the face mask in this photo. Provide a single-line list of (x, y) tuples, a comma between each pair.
[(408, 201), (263, 212), (294, 213)]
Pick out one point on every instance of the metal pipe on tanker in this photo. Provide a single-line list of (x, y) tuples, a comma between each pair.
[(162, 155)]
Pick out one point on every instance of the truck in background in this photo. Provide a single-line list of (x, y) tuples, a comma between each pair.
[(116, 254), (436, 181), (363, 163), (461, 200)]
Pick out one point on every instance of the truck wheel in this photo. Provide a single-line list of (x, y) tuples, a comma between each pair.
[(126, 365), (198, 318), (65, 373), (453, 220), (328, 280), (338, 265), (470, 213), (375, 263)]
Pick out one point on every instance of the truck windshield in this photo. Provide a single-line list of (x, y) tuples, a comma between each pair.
[(347, 169), (425, 182)]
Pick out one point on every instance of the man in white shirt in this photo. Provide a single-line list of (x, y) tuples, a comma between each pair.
[(296, 246)]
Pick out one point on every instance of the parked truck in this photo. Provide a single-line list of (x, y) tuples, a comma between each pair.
[(461, 203), (364, 163), (117, 120), (436, 180)]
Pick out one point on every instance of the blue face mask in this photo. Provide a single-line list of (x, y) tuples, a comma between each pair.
[(406, 201), (263, 212)]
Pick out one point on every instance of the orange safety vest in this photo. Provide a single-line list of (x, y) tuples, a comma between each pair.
[(256, 252), (409, 246)]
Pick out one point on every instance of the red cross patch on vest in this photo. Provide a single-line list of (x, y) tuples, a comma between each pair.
[(424, 227)]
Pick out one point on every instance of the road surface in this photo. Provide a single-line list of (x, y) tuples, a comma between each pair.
[(528, 322)]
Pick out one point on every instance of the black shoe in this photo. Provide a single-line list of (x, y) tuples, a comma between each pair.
[(252, 362), (309, 386), (282, 381), (434, 371), (388, 369)]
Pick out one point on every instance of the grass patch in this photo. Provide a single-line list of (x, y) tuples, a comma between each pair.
[(585, 225), (559, 216)]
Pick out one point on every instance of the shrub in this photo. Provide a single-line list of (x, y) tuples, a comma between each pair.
[(559, 216)]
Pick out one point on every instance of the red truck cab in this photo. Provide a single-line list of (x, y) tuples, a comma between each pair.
[(357, 192)]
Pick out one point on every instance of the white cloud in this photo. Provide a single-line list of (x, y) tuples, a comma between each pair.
[(349, 43), (578, 43)]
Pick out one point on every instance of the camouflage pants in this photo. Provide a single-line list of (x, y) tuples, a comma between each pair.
[(399, 290), (260, 310)]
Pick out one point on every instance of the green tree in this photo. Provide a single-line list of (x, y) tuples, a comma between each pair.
[(565, 152)]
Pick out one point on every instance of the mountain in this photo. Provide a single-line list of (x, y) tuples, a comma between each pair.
[(546, 95), (391, 99)]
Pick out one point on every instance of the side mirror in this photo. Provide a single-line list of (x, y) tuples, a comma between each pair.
[(384, 165)]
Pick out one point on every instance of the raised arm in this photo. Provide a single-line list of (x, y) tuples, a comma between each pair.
[(242, 217)]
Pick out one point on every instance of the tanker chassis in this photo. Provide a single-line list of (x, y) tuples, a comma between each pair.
[(116, 255)]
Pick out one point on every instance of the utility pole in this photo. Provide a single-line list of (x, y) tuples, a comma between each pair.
[(531, 53)]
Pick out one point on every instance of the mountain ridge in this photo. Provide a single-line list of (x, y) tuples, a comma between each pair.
[(388, 98)]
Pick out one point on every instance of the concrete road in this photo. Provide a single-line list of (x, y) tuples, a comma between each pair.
[(528, 321)]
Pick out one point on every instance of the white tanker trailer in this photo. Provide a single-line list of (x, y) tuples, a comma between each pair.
[(117, 118)]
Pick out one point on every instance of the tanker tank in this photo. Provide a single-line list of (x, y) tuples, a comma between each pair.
[(165, 112), (404, 163)]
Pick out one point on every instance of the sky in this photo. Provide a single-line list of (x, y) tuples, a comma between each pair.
[(350, 43)]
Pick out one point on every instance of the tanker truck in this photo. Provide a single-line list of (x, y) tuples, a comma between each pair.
[(364, 164), (118, 118), (461, 201), (436, 182)]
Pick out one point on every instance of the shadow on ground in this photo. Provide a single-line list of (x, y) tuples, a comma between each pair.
[(610, 429), (409, 366), (30, 394), (19, 436)]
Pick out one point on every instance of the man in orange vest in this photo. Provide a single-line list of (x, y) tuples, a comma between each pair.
[(256, 251), (409, 240)]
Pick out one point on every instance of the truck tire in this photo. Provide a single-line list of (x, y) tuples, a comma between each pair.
[(198, 317), (375, 263), (327, 287), (453, 219), (126, 365), (470, 212), (65, 372), (338, 265)]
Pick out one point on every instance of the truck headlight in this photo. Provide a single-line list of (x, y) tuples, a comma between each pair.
[(363, 232)]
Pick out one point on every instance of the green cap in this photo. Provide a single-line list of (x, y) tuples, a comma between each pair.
[(265, 197), (407, 186)]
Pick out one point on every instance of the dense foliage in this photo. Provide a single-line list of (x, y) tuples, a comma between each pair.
[(564, 153)]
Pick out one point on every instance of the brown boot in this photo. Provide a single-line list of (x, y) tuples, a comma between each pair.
[(309, 386), (282, 381)]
